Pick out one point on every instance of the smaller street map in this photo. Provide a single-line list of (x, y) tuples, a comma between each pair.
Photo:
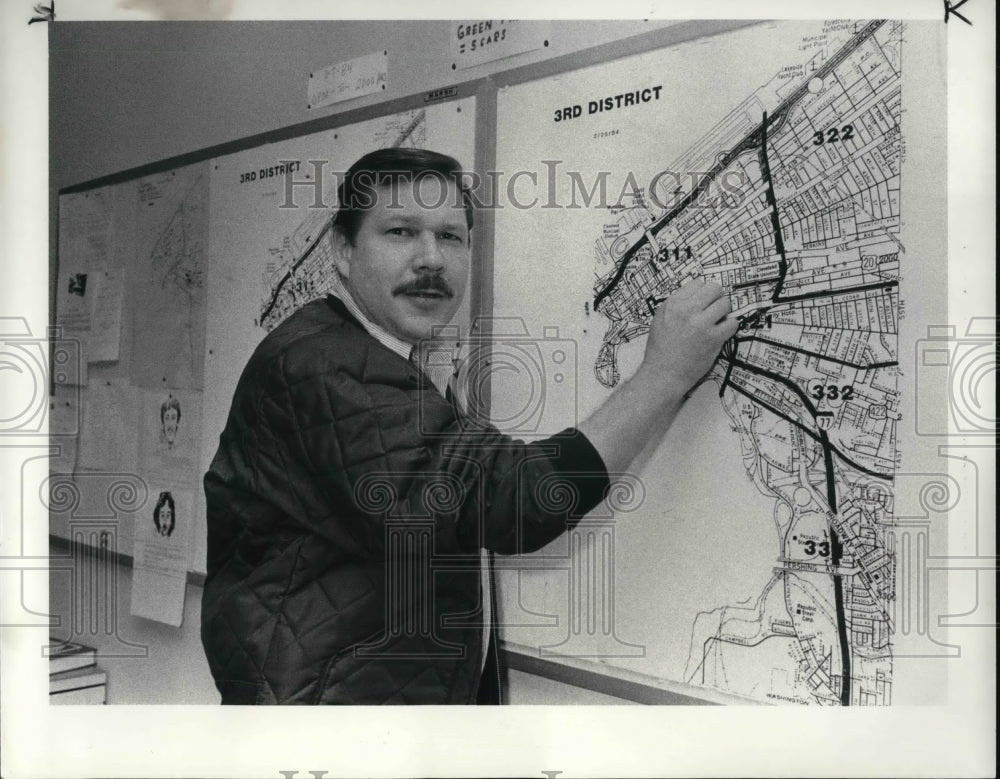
[(299, 270)]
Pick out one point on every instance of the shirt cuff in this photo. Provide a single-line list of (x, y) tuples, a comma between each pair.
[(581, 465)]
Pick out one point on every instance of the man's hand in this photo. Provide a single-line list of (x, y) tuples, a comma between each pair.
[(686, 334)]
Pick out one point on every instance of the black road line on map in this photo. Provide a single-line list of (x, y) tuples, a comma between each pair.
[(839, 291), (748, 143), (276, 292), (763, 307), (869, 367), (408, 130), (836, 552), (845, 647), (730, 351), (835, 545), (818, 435), (831, 485), (779, 240), (757, 283)]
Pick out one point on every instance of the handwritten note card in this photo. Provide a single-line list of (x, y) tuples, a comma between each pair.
[(106, 317), (349, 79)]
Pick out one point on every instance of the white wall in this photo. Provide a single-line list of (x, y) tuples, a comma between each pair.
[(173, 669), (126, 94)]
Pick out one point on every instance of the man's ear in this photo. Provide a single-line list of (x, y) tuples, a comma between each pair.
[(341, 253)]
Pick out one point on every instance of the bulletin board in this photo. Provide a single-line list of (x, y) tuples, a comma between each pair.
[(127, 411), (752, 556)]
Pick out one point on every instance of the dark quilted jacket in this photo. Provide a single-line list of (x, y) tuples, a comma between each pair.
[(347, 504)]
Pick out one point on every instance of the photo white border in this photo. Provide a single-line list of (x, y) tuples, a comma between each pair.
[(207, 741)]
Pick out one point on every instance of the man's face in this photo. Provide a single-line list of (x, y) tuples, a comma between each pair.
[(409, 265), (170, 424), (166, 517)]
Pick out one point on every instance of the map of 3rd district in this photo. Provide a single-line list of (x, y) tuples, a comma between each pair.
[(809, 251)]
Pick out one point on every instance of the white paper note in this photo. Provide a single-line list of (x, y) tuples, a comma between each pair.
[(64, 428), (170, 423), (108, 440), (162, 553), (106, 316), (85, 246), (348, 79)]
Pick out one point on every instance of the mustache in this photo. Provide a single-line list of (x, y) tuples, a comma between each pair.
[(429, 282)]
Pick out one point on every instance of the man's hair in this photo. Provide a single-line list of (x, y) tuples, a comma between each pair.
[(170, 403), (165, 497), (383, 168)]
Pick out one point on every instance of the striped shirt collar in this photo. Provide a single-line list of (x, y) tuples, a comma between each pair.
[(380, 334)]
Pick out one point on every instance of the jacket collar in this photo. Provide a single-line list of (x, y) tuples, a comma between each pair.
[(340, 292), (436, 360)]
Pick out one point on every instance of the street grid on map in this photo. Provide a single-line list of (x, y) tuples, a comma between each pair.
[(809, 254)]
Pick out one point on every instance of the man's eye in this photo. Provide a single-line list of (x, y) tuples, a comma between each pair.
[(399, 231), (452, 237)]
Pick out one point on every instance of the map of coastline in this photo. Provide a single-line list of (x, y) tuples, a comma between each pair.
[(808, 249)]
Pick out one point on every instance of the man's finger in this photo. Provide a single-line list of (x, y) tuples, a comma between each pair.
[(727, 328), (688, 289), (749, 308), (706, 294), (717, 310)]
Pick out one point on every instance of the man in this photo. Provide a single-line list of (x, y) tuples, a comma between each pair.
[(349, 499), (164, 515), (170, 418)]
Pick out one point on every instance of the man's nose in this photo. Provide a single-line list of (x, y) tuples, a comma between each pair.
[(429, 255)]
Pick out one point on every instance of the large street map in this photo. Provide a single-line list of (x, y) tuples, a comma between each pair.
[(791, 201), (808, 248)]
